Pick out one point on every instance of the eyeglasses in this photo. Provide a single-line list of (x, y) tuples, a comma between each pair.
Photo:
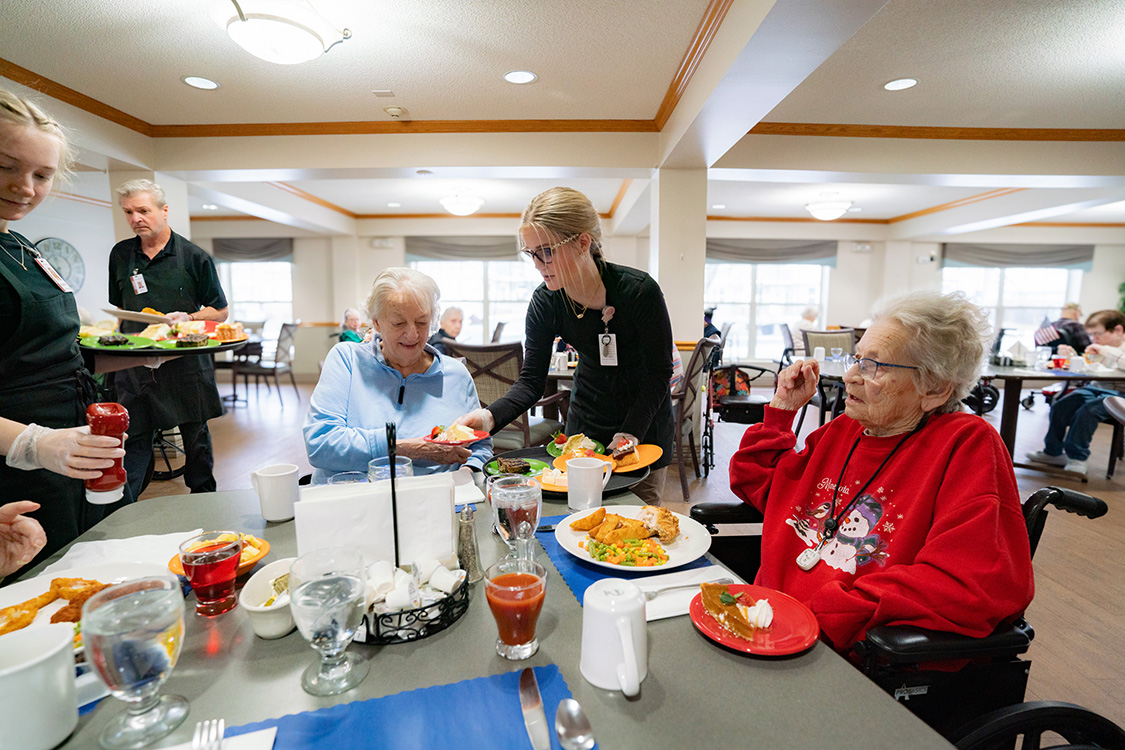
[(545, 254), (869, 368)]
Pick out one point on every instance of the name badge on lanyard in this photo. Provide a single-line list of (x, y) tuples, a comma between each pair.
[(607, 349), (52, 274), (138, 282)]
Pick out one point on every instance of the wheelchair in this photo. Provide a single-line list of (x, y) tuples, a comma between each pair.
[(895, 657)]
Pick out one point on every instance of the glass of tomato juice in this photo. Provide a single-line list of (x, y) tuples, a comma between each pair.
[(515, 590), (210, 563)]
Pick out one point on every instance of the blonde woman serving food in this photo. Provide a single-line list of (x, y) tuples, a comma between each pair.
[(614, 316)]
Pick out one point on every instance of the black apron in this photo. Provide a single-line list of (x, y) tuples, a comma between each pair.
[(43, 381)]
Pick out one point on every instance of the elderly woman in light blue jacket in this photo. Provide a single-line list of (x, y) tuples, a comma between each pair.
[(397, 377)]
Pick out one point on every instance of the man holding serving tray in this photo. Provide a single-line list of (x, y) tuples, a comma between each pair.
[(160, 270)]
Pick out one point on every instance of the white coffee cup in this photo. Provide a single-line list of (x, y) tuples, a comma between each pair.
[(585, 480), (818, 353), (614, 636), (277, 490), (38, 702)]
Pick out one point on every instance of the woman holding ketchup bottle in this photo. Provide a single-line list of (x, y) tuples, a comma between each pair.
[(44, 388)]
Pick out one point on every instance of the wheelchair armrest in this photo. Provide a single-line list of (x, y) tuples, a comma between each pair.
[(1072, 501), (725, 511), (902, 644)]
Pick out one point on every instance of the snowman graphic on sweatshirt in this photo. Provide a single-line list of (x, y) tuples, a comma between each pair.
[(855, 544)]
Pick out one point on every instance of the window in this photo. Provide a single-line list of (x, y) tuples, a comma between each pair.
[(757, 297), (260, 294), (1016, 298), (488, 292)]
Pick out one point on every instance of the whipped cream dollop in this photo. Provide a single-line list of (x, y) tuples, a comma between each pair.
[(760, 615)]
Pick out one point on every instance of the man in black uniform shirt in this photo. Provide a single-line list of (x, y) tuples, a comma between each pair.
[(164, 271)]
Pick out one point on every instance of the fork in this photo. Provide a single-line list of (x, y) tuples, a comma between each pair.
[(208, 735), (650, 595)]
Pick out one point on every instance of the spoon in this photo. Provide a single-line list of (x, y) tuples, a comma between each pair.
[(650, 595), (572, 726)]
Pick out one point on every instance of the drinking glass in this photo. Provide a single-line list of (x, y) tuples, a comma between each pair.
[(380, 468), (837, 352), (210, 563), (132, 633), (515, 590), (327, 599), (502, 533), (516, 505), (348, 477)]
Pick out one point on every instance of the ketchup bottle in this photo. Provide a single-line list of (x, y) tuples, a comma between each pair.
[(112, 420)]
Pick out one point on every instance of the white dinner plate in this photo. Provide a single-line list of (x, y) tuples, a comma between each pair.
[(103, 572), (691, 544), (136, 317)]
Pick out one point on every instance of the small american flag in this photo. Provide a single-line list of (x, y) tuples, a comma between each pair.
[(1046, 333)]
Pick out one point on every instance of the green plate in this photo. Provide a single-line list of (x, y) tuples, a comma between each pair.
[(556, 450), (135, 342), (171, 344), (491, 468)]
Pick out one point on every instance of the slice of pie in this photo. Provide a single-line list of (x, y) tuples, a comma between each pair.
[(738, 613)]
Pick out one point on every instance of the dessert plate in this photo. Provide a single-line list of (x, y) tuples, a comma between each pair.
[(537, 467), (648, 453), (794, 627), (556, 450), (691, 544), (135, 342), (560, 462), (136, 317), (477, 435)]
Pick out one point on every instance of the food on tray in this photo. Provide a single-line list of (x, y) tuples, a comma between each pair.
[(75, 591), (229, 332), (660, 521), (639, 553), (192, 339), (555, 477), (454, 433), (189, 326), (95, 331), (589, 522), (150, 311), (626, 453), (578, 443), (113, 340), (737, 613), (156, 331), (513, 465)]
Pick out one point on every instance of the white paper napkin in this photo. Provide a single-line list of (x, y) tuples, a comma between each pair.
[(260, 740), (675, 603), (152, 548), (467, 493)]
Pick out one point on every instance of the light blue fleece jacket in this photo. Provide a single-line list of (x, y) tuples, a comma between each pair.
[(358, 393)]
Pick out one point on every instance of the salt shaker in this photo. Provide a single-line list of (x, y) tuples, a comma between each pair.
[(467, 556)]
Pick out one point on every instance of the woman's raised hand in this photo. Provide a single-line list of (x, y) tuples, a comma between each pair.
[(21, 537), (477, 419), (796, 385)]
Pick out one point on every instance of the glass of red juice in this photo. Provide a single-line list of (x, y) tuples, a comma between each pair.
[(210, 563), (515, 591)]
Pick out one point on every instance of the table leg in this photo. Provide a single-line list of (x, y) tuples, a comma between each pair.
[(551, 411), (1011, 412)]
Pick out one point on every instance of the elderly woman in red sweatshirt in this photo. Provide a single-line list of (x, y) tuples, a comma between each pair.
[(903, 510)]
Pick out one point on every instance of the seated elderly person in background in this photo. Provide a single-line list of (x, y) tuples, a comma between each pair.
[(395, 378), (903, 510), (449, 328), (349, 328)]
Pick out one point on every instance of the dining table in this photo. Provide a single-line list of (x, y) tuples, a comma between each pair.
[(697, 693)]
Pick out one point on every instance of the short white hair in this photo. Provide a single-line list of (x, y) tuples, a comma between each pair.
[(947, 341), (403, 282), (349, 311), (449, 311), (136, 187)]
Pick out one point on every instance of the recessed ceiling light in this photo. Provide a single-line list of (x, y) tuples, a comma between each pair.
[(210, 207), (200, 83), (520, 76), (900, 84), (719, 206), (394, 205)]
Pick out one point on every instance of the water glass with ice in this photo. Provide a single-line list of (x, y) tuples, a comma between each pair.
[(517, 503)]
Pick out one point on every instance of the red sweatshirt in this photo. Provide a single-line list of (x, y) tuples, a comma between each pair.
[(937, 541)]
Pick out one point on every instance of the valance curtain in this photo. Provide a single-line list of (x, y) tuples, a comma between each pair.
[(462, 248), (253, 248), (817, 252), (1018, 255)]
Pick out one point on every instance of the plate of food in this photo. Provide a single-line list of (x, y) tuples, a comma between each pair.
[(116, 342), (529, 467), (148, 315), (253, 550), (630, 457), (188, 341), (560, 462), (454, 434), (633, 537), (753, 619), (58, 597), (553, 480), (563, 444)]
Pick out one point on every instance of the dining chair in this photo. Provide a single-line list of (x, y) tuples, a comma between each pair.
[(497, 331), (788, 352), (685, 400), (267, 369), (841, 338), (494, 369)]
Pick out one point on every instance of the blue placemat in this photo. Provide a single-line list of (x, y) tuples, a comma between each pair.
[(480, 713), (578, 574)]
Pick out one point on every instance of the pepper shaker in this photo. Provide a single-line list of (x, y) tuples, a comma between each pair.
[(467, 554)]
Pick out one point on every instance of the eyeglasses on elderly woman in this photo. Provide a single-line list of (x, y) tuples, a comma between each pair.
[(869, 368), (545, 254)]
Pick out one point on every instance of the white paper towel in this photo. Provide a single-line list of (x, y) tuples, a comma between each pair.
[(151, 548), (675, 603)]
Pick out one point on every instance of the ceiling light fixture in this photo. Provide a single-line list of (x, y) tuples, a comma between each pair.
[(901, 84), (286, 32), (200, 83), (719, 206), (460, 204), (520, 76), (829, 209), (210, 207), (394, 205)]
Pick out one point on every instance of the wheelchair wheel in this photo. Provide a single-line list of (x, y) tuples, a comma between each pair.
[(983, 398), (167, 457), (1028, 401)]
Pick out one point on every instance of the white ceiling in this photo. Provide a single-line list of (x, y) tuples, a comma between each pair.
[(981, 63)]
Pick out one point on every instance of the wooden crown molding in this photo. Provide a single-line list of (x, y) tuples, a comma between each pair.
[(398, 127), (82, 199), (708, 27), (825, 130), (25, 77), (313, 199), (957, 204)]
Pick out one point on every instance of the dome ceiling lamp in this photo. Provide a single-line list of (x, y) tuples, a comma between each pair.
[(829, 208), (461, 204), (286, 32)]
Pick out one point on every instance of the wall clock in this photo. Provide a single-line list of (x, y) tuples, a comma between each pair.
[(65, 258)]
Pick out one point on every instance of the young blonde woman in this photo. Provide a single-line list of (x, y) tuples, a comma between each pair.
[(614, 316)]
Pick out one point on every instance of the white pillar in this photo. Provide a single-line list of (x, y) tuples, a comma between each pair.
[(678, 246)]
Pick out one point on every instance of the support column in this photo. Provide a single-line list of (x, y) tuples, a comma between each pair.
[(678, 246)]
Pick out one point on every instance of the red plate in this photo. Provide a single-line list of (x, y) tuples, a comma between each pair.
[(477, 435), (794, 626)]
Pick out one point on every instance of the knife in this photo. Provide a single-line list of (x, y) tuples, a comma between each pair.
[(534, 719), (545, 527)]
